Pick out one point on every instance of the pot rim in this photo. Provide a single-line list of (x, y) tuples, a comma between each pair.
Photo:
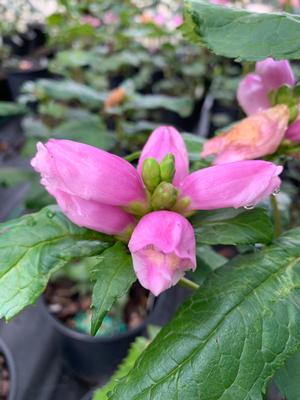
[(4, 349), (66, 331)]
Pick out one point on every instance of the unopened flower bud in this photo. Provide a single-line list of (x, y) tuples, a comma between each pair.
[(284, 95), (151, 173), (293, 113), (164, 196), (167, 168)]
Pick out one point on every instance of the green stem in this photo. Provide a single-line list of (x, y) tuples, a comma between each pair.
[(133, 156), (276, 216), (188, 284)]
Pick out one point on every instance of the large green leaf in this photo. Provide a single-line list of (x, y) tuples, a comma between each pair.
[(69, 90), (234, 32), (32, 248), (114, 275), (287, 378), (233, 226), (231, 336)]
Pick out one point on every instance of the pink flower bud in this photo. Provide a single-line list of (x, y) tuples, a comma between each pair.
[(253, 137), (163, 248), (238, 184), (165, 140), (87, 172)]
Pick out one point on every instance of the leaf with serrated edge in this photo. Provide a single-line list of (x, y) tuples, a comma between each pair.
[(114, 275), (32, 248), (231, 336), (241, 34)]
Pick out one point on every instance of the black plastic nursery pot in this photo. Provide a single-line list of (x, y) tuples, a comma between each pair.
[(4, 350), (91, 358)]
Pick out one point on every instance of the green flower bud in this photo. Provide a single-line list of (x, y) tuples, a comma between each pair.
[(139, 208), (167, 168), (284, 95), (151, 173), (164, 196), (293, 113)]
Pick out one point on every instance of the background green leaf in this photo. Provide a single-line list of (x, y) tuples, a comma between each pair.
[(32, 248), (231, 226), (114, 275), (244, 35), (287, 378), (231, 336)]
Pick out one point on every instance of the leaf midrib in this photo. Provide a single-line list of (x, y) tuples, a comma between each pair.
[(197, 349)]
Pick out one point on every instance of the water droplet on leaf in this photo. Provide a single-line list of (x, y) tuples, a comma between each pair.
[(250, 207), (31, 221), (50, 214), (276, 191)]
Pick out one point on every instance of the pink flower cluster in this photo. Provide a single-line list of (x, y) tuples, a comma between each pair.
[(263, 131), (101, 191)]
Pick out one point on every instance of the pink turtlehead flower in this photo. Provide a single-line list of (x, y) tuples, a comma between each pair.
[(98, 190), (253, 137), (163, 247), (269, 75), (254, 89), (89, 20)]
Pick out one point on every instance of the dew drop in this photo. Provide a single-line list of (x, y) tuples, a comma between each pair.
[(250, 207), (50, 214), (276, 191)]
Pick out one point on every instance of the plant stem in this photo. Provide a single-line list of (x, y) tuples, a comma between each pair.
[(133, 156), (188, 284), (276, 216)]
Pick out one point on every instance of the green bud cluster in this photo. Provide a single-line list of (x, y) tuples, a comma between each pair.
[(158, 179), (289, 96)]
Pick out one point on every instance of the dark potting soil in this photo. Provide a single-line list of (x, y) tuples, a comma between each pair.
[(4, 378), (66, 303)]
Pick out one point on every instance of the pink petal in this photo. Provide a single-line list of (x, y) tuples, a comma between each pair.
[(275, 73), (87, 172), (253, 137), (162, 141), (163, 248), (238, 184), (252, 94), (103, 218), (293, 132)]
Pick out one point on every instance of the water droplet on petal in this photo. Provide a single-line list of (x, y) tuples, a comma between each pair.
[(276, 191), (250, 207)]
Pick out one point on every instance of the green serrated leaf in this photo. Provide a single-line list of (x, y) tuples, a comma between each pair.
[(32, 248), (244, 35), (287, 378), (227, 341), (114, 275), (233, 226)]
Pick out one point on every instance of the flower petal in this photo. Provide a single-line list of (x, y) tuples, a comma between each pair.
[(238, 184), (162, 141), (87, 172), (163, 248), (253, 137), (252, 94), (103, 218), (275, 73)]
